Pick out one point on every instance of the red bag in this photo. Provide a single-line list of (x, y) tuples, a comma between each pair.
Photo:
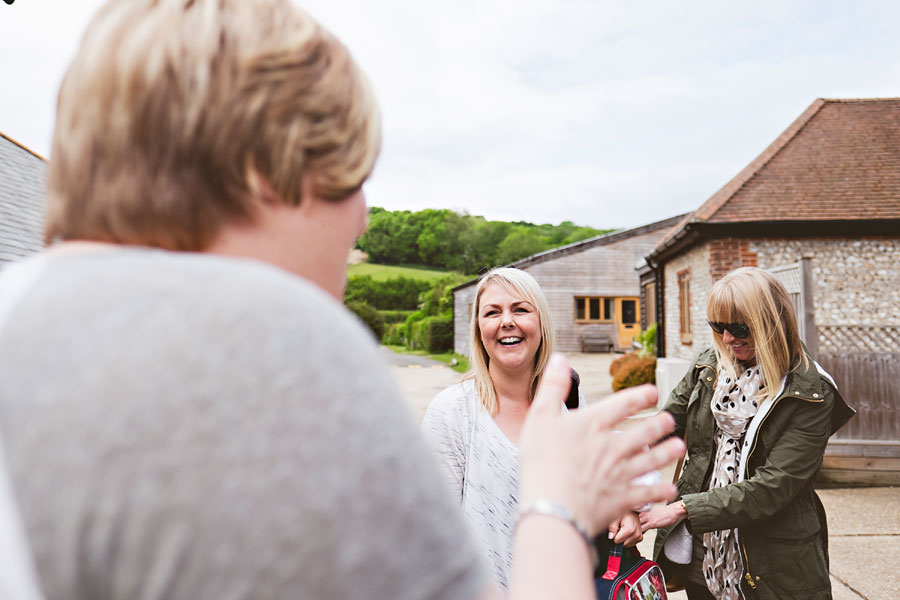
[(628, 576)]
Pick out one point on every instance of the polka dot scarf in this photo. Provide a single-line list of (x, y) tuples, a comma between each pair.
[(734, 403)]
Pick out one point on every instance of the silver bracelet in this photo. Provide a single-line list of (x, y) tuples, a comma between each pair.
[(549, 508)]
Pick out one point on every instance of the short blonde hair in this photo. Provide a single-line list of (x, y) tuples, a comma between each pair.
[(754, 297), (179, 116), (520, 284)]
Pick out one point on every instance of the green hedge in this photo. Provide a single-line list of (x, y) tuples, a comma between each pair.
[(391, 294), (434, 334), (395, 316), (370, 316), (395, 335)]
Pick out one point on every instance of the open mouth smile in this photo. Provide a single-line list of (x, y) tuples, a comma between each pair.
[(510, 341)]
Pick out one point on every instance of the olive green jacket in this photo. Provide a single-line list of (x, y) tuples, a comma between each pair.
[(782, 531)]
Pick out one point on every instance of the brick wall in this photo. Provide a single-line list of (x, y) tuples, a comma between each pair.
[(728, 254)]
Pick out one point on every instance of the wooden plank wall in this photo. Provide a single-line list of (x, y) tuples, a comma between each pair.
[(869, 383), (867, 449), (607, 271)]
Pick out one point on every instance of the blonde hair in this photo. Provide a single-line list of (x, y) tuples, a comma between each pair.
[(520, 284), (754, 297), (179, 116)]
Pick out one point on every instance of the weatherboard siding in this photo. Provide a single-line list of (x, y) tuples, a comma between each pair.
[(21, 202), (603, 270)]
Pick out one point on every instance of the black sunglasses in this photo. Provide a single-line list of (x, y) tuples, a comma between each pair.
[(738, 330)]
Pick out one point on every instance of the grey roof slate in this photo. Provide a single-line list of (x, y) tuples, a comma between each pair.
[(22, 176)]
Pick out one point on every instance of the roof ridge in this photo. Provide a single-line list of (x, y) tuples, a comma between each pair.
[(22, 146), (886, 99), (715, 202)]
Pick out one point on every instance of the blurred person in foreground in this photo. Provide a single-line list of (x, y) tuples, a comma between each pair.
[(756, 412), (188, 411), (475, 426)]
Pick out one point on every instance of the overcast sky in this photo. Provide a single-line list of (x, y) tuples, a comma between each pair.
[(606, 113)]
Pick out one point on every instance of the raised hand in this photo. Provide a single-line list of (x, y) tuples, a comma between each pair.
[(573, 458)]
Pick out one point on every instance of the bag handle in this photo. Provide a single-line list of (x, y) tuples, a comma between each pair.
[(613, 562)]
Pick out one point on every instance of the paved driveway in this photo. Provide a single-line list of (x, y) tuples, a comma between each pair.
[(419, 379)]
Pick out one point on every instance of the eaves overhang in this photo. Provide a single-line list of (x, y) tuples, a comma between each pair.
[(697, 232)]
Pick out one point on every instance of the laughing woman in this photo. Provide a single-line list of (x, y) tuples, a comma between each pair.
[(756, 412), (474, 426)]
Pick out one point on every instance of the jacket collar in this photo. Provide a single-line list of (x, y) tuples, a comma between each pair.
[(809, 383)]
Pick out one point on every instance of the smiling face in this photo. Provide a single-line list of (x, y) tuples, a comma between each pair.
[(743, 349), (510, 329)]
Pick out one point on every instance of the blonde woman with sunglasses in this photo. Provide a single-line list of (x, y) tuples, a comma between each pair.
[(756, 412)]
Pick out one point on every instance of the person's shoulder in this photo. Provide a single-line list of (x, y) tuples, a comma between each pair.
[(706, 358), (456, 392), (269, 294), (259, 304), (452, 400)]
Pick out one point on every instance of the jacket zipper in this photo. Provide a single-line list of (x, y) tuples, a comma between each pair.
[(747, 574)]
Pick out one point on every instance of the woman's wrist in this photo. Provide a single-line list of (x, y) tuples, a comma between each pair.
[(548, 508)]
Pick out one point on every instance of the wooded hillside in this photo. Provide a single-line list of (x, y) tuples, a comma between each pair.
[(460, 242)]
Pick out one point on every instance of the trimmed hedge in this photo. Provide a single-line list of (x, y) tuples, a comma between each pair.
[(636, 370), (370, 316), (395, 316), (390, 294), (434, 334), (395, 335)]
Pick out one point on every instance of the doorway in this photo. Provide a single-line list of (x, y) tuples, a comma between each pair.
[(628, 311)]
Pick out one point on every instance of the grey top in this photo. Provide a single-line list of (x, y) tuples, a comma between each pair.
[(481, 465), (191, 427)]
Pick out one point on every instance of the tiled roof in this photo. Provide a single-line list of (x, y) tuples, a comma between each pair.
[(22, 175), (839, 161)]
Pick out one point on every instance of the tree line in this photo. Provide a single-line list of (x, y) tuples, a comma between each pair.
[(460, 242)]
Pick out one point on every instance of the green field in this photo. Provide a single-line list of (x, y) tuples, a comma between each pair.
[(382, 272)]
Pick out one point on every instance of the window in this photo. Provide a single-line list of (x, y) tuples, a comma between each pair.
[(594, 309), (649, 304), (684, 306), (629, 312)]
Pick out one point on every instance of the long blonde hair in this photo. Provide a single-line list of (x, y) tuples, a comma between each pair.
[(521, 284), (754, 297)]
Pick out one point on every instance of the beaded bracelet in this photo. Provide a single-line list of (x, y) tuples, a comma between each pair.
[(552, 509)]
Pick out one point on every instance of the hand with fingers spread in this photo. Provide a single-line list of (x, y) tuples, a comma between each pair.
[(574, 459)]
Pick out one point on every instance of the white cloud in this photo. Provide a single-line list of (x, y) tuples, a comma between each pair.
[(607, 113)]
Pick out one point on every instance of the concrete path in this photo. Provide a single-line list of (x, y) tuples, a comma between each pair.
[(418, 378), (863, 523)]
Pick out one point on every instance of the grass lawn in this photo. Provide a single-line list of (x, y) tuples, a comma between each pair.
[(461, 366), (382, 272)]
